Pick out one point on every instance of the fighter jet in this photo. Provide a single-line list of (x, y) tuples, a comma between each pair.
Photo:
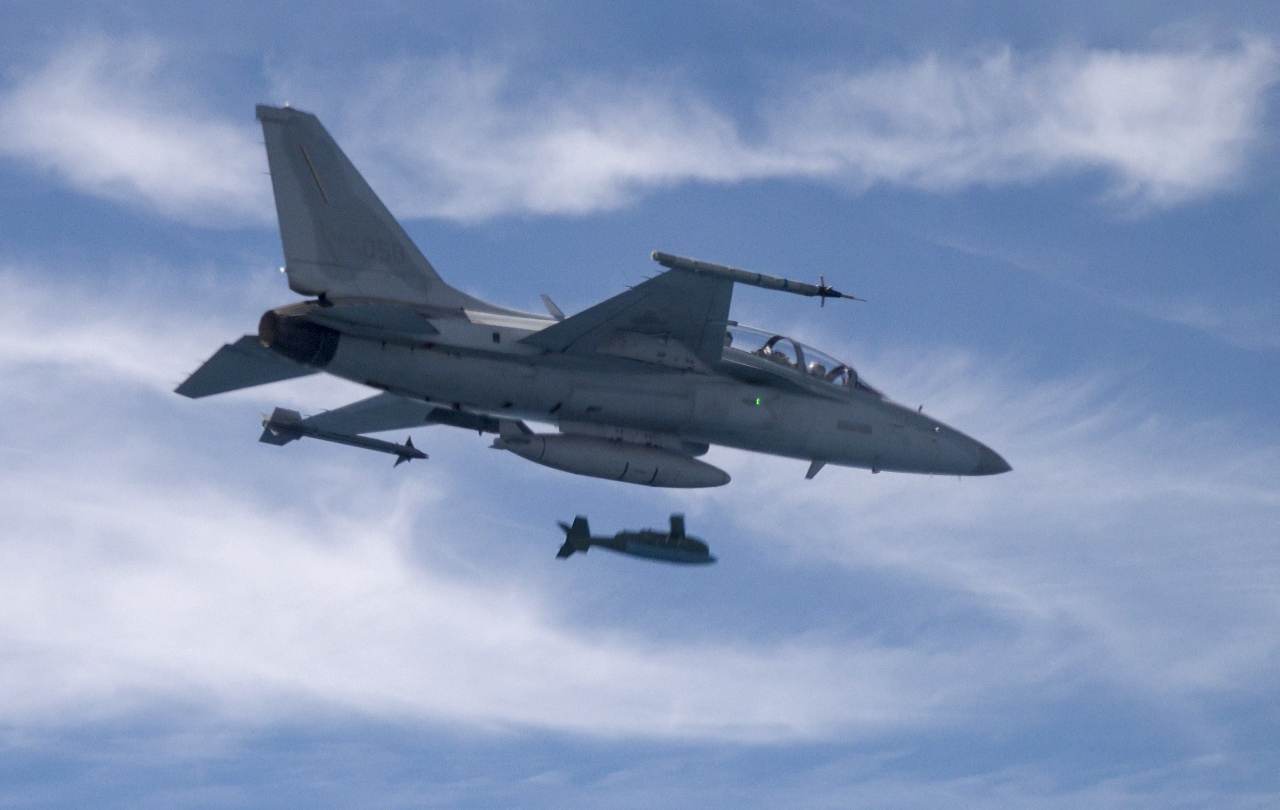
[(637, 387), (673, 546)]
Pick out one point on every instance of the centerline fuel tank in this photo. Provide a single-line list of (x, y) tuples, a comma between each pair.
[(612, 459)]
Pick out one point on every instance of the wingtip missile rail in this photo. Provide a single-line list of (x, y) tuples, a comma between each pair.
[(821, 290)]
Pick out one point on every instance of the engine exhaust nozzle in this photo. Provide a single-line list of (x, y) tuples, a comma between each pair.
[(298, 339)]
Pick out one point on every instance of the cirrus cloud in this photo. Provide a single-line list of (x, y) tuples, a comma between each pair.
[(170, 571), (468, 139), (108, 119)]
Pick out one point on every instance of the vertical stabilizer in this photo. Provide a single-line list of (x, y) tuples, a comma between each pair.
[(339, 239)]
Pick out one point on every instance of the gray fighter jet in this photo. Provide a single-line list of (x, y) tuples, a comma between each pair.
[(673, 546), (638, 387)]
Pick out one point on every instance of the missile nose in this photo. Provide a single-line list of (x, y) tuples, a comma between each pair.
[(990, 463)]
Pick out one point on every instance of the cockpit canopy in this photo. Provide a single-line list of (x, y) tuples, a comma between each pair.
[(793, 355)]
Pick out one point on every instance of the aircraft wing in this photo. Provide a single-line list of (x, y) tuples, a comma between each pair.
[(373, 415), (242, 364), (382, 412), (677, 319)]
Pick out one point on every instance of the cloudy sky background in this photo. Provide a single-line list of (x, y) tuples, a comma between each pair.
[(1064, 219)]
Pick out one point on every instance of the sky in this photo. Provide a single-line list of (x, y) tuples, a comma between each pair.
[(1063, 219)]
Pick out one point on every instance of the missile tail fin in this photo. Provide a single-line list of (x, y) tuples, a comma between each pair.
[(677, 526), (576, 537)]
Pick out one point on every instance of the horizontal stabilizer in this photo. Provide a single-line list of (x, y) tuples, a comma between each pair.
[(242, 364)]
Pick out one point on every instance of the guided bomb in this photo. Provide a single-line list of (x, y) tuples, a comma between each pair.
[(673, 546)]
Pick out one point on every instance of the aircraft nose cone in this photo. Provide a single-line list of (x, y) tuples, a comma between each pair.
[(990, 463)]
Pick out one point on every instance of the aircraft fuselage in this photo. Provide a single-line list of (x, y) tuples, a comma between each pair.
[(482, 367)]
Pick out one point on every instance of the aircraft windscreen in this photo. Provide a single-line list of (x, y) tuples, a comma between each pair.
[(791, 354)]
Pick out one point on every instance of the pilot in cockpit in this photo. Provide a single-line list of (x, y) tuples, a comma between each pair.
[(778, 357)]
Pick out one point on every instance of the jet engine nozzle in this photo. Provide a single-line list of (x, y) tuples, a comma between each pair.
[(298, 339)]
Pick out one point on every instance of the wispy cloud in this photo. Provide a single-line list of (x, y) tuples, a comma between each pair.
[(1142, 542), (1252, 325), (137, 590), (113, 120), (145, 581), (1164, 126), (169, 570), (1250, 321), (468, 138), (471, 139), (129, 342)]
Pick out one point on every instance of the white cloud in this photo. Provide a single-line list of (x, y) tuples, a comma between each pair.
[(470, 139), (147, 585), (146, 566), (138, 567), (113, 120), (467, 140), (152, 346), (1166, 126)]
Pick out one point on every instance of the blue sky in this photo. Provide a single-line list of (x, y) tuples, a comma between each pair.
[(1064, 219)]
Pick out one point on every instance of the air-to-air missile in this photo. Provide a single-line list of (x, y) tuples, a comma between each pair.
[(673, 546)]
